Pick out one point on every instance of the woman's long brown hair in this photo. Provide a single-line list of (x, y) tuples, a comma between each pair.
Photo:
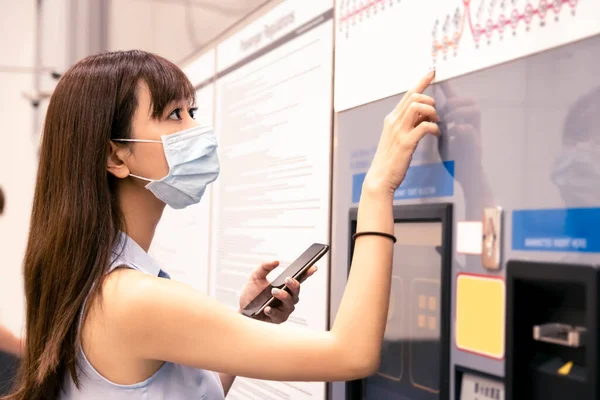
[(76, 214)]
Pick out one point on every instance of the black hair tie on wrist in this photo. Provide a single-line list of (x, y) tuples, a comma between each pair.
[(387, 235)]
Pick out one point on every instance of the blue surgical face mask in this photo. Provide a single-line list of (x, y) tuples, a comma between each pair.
[(193, 164)]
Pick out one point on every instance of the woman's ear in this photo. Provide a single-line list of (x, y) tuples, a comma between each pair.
[(116, 161)]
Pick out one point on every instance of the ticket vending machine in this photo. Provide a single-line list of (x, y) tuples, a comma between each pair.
[(499, 298), (552, 328), (417, 331)]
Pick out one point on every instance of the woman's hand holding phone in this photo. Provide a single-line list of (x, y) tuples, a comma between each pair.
[(258, 282)]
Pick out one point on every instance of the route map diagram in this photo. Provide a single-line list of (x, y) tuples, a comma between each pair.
[(353, 12), (484, 18), (382, 47)]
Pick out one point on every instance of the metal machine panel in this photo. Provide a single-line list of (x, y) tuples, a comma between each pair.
[(415, 351), (523, 137)]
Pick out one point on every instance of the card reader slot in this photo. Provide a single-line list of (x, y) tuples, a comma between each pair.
[(560, 334)]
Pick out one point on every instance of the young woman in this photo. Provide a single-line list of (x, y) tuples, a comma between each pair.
[(120, 142)]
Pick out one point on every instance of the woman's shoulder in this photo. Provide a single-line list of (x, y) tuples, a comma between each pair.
[(124, 290), (109, 331), (130, 298)]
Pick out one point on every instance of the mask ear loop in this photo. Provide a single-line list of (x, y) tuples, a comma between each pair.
[(143, 141), (137, 140), (144, 179)]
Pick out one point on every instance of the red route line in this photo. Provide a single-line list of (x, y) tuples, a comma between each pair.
[(360, 10), (477, 31)]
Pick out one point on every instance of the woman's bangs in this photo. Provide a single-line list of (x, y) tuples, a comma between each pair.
[(167, 83)]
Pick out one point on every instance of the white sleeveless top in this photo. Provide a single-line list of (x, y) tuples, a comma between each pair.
[(171, 381)]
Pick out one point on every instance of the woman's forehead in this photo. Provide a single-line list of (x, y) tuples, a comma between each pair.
[(146, 101)]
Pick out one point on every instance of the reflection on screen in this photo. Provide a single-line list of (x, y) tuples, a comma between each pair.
[(411, 351)]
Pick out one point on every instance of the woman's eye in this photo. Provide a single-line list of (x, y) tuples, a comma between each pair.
[(176, 114)]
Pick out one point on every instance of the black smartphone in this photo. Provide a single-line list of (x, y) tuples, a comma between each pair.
[(295, 271)]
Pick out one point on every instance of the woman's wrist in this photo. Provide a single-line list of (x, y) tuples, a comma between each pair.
[(376, 187)]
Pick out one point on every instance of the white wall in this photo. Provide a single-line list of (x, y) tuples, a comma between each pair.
[(19, 138), (145, 24), (174, 29)]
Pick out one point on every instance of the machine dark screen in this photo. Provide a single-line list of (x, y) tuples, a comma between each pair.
[(411, 352)]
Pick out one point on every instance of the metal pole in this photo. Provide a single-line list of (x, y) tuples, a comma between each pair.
[(72, 32), (37, 65)]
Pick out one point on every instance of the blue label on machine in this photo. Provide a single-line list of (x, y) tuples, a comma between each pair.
[(568, 230), (428, 180)]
